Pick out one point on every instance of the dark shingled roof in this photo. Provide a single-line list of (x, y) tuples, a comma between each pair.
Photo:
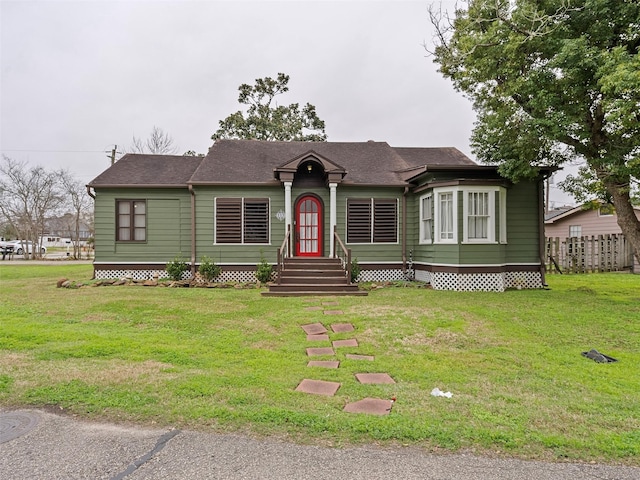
[(368, 163), (148, 170), (415, 156), (254, 162)]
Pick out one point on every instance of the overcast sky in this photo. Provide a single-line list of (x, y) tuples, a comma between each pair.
[(79, 77)]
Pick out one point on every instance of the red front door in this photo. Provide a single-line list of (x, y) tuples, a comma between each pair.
[(308, 227)]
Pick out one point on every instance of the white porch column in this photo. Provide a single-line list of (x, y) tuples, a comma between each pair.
[(332, 215), (287, 206)]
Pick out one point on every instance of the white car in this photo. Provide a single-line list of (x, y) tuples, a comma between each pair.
[(18, 246)]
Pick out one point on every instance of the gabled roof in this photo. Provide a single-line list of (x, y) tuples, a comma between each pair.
[(148, 170), (365, 163), (561, 212), (415, 156), (253, 162), (564, 212)]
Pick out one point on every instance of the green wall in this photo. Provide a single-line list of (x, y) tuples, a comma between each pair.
[(522, 233), (168, 226)]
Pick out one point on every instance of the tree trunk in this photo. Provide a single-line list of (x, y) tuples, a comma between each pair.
[(627, 220)]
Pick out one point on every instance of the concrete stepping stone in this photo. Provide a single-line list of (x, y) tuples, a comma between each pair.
[(352, 356), (318, 387), (373, 406), (374, 378), (330, 304), (314, 309), (333, 312), (352, 342), (314, 328), (318, 338), (342, 327), (324, 363), (314, 352)]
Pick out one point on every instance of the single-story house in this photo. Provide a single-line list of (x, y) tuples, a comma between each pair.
[(429, 214), (583, 221)]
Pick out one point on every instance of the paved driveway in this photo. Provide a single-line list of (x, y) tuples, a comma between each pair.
[(51, 447)]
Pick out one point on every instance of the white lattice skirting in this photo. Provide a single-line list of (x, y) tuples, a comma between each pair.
[(486, 282), (135, 274)]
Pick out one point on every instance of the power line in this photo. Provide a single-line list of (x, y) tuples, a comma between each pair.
[(53, 151)]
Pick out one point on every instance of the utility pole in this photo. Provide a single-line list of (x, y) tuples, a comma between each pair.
[(113, 154)]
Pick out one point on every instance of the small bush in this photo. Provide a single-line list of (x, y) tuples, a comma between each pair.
[(355, 270), (208, 269), (264, 270), (176, 268)]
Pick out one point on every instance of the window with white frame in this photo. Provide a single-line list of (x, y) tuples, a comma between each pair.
[(445, 216), (426, 219), (575, 230), (479, 209), (479, 215)]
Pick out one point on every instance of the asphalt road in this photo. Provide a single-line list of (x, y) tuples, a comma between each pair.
[(50, 446)]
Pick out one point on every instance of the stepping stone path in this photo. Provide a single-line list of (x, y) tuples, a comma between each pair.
[(319, 387), (374, 378), (318, 338), (324, 363), (318, 332)]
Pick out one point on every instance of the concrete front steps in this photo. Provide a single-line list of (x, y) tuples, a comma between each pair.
[(317, 276)]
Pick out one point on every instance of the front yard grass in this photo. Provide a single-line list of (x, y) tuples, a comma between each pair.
[(229, 360)]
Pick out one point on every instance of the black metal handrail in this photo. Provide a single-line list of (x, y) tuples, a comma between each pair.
[(283, 252), (345, 251)]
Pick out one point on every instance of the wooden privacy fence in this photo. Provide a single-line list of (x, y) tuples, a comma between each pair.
[(598, 253)]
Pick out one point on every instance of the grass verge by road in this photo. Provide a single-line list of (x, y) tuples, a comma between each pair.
[(229, 360)]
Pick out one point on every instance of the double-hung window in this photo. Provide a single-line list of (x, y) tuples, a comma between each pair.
[(372, 220), (575, 231), (445, 216), (426, 219), (131, 221), (478, 215), (479, 209), (242, 220)]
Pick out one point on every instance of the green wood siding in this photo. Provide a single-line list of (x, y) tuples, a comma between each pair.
[(522, 233), (371, 252), (236, 254), (167, 222), (169, 227), (523, 225)]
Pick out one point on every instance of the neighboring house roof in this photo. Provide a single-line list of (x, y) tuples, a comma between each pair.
[(258, 162), (565, 212), (148, 170), (556, 212)]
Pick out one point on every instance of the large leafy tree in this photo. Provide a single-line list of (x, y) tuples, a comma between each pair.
[(551, 81), (265, 120)]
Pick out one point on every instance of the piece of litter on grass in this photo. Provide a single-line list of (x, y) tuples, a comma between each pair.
[(596, 356), (436, 392)]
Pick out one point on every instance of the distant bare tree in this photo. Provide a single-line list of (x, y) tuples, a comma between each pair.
[(27, 196), (80, 204), (158, 143)]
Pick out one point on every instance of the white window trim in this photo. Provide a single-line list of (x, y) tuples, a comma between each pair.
[(503, 215), (491, 221), (423, 240), (436, 214)]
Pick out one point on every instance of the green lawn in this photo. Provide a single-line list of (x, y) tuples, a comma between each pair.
[(229, 360)]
